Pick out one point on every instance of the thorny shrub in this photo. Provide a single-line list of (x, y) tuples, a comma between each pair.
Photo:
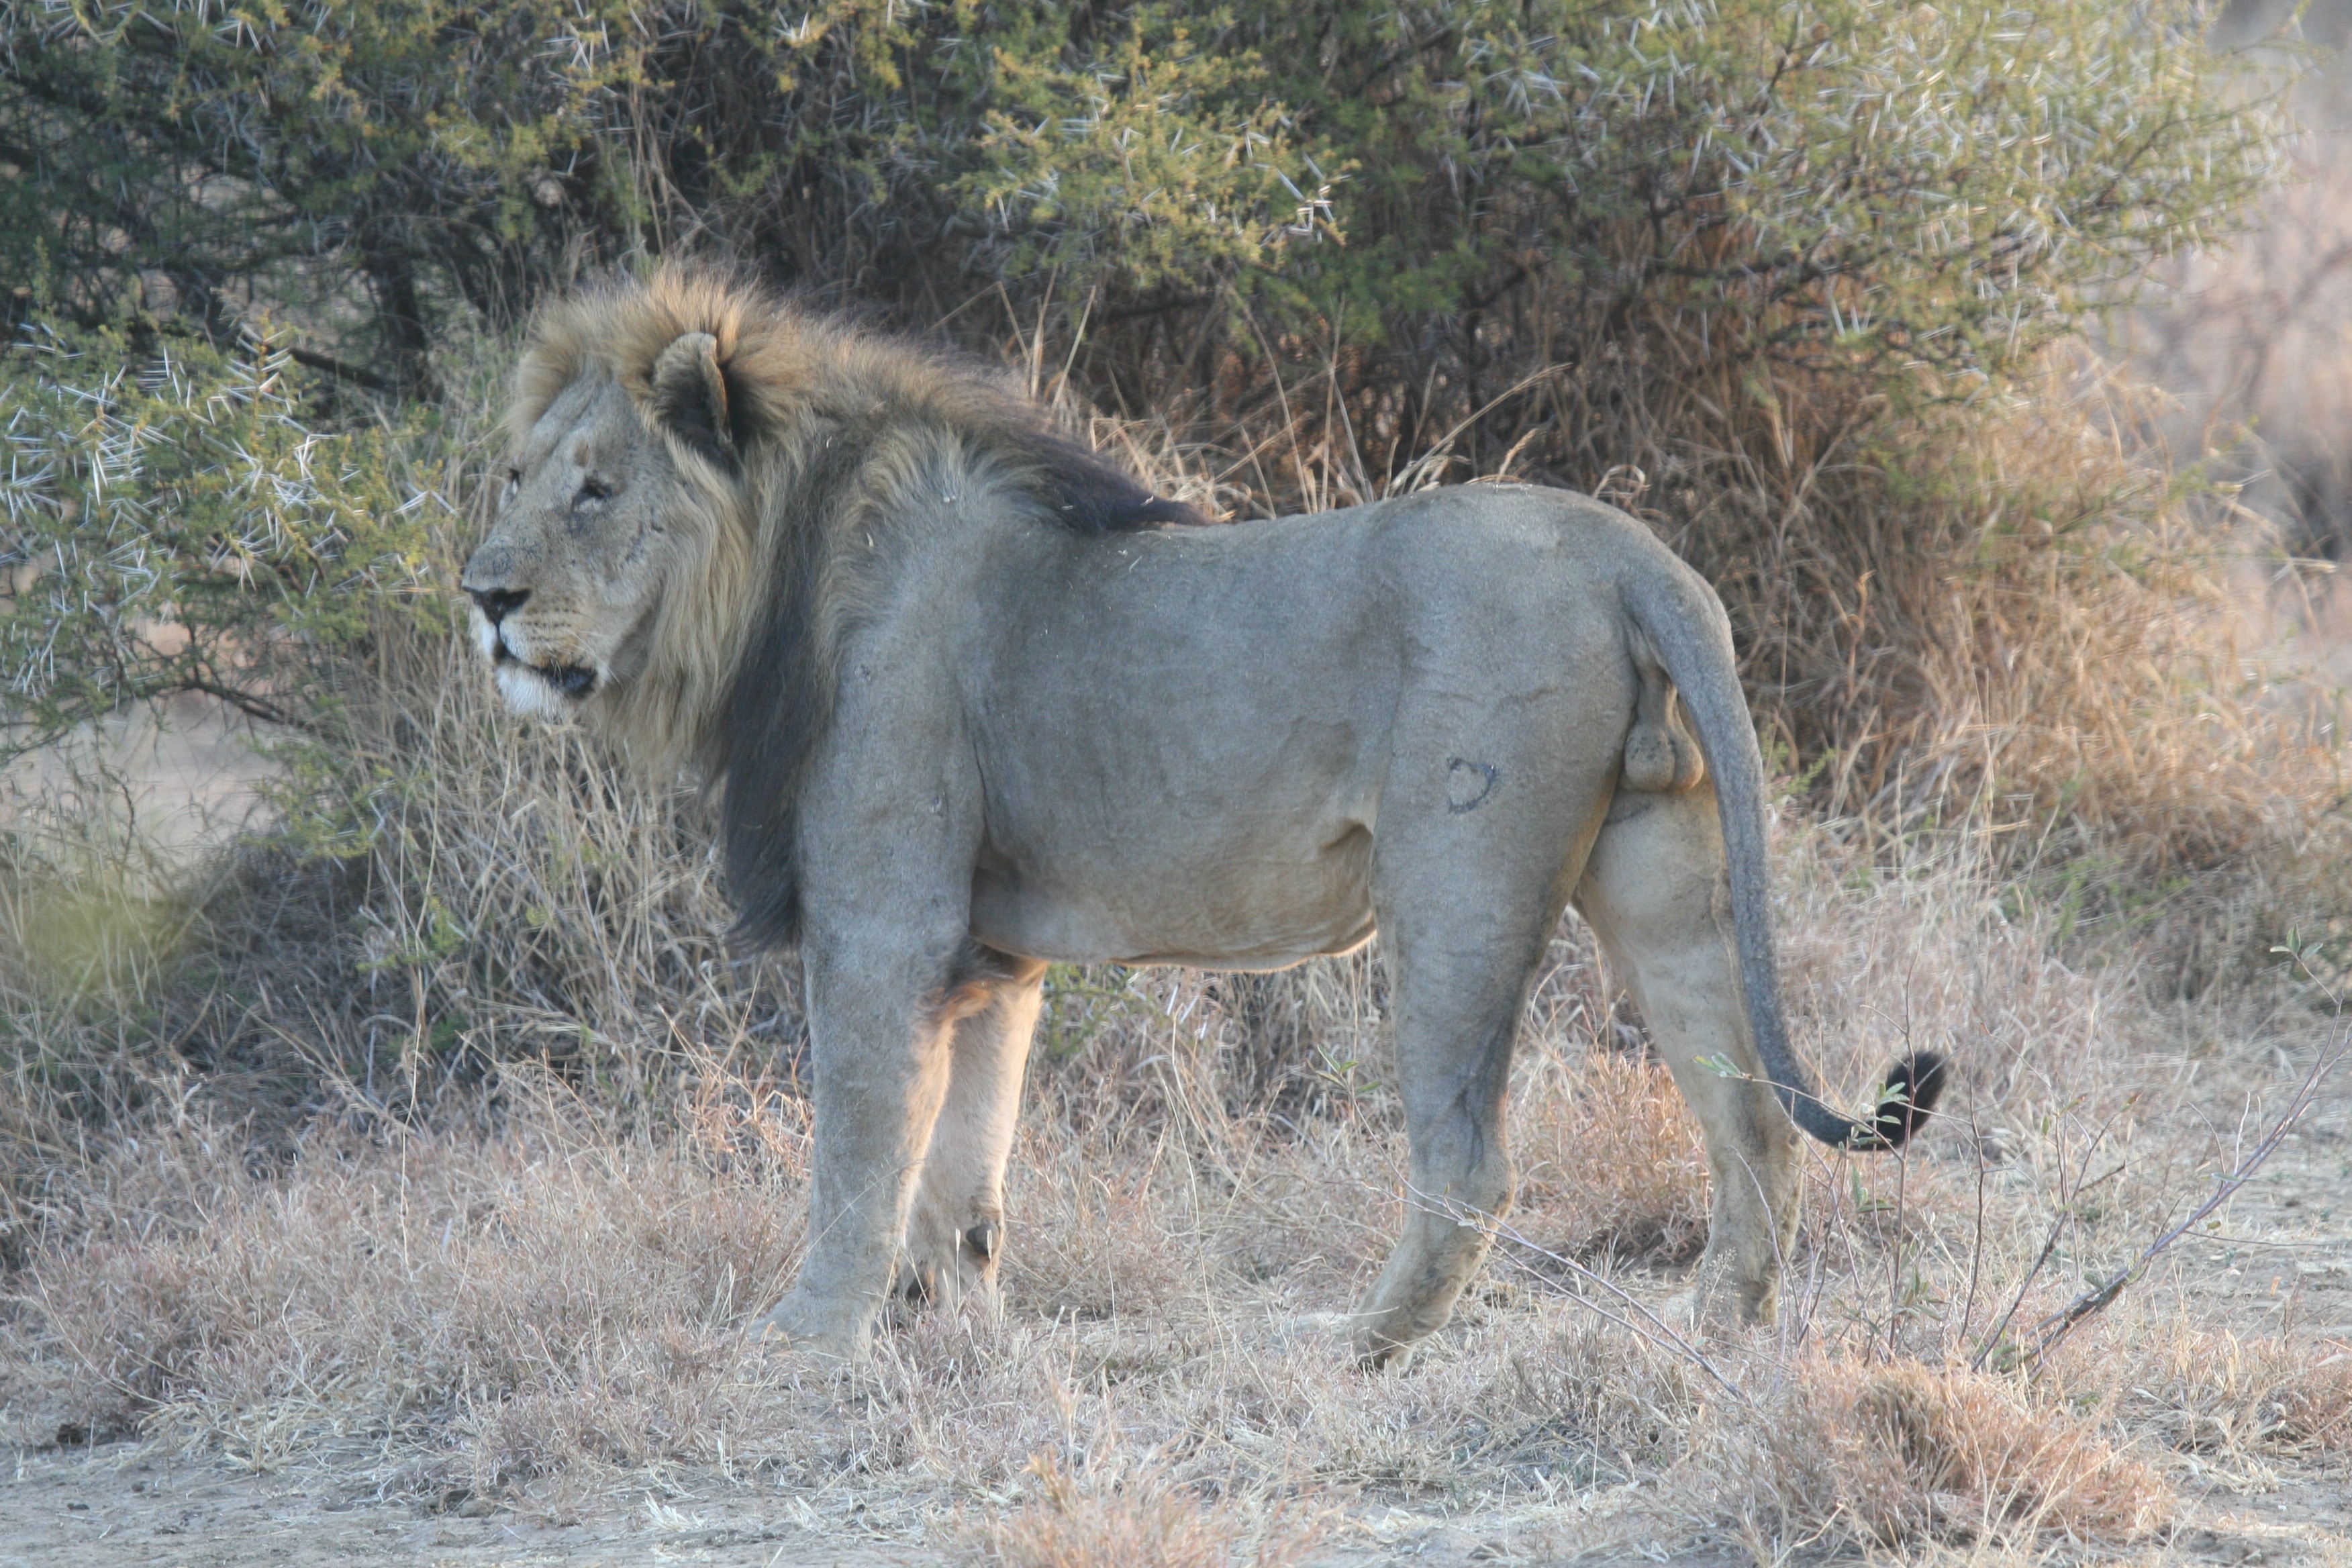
[(173, 523)]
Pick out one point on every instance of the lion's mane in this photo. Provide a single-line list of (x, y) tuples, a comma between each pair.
[(793, 494)]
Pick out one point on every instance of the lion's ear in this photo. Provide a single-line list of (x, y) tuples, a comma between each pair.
[(690, 397)]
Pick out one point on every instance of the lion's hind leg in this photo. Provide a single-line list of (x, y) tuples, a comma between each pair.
[(1470, 876), (1655, 889), (1454, 1068), (955, 1232)]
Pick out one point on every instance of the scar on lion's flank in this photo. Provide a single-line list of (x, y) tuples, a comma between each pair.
[(1467, 784)]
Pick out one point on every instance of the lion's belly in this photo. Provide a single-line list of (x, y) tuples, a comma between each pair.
[(1239, 905)]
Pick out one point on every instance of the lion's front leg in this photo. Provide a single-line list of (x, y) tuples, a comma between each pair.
[(880, 1057), (956, 1232)]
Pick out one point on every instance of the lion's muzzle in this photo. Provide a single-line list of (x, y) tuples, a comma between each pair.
[(529, 685)]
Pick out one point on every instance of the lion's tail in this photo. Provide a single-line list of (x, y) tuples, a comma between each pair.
[(1685, 625)]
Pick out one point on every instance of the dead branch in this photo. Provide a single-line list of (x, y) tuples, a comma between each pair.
[(2053, 1331)]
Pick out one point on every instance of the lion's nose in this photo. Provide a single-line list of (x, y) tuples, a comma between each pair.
[(499, 602)]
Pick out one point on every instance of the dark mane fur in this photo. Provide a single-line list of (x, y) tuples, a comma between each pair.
[(780, 702), (1090, 496)]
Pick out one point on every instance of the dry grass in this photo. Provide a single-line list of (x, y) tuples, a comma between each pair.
[(1907, 1454), (1136, 1525), (1609, 1163), (548, 1304), (2234, 1396), (539, 1302)]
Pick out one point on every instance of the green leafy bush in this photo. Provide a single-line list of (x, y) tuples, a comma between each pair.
[(172, 524), (436, 158), (1843, 178)]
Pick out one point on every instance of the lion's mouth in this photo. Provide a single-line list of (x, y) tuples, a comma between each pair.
[(573, 681)]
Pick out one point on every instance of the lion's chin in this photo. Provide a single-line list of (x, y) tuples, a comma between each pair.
[(537, 693)]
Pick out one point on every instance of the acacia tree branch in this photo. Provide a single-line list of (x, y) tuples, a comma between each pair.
[(341, 370), (247, 703)]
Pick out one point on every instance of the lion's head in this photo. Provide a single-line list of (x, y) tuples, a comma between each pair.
[(624, 502), (569, 577)]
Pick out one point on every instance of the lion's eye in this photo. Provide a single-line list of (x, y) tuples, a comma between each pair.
[(594, 489)]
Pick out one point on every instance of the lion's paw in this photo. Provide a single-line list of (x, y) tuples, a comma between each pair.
[(791, 1325), (1712, 1309), (1376, 1350)]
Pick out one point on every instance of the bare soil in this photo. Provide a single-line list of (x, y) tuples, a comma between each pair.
[(130, 1506), (126, 1504)]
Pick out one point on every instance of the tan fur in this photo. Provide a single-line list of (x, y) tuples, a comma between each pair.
[(977, 712)]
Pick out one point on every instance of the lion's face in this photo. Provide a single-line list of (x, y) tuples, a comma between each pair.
[(565, 586)]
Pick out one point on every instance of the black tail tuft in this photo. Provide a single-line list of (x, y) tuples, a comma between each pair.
[(1913, 1087)]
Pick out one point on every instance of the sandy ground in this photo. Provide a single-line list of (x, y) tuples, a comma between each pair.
[(124, 1506), (182, 772)]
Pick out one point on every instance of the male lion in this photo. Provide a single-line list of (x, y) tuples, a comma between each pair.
[(980, 702)]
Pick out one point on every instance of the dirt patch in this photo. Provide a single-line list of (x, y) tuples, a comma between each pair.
[(136, 1505), (128, 1506), (180, 776)]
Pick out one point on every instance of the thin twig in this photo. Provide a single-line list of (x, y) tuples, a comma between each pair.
[(248, 704), (2053, 1331), (2057, 1229), (1976, 1247)]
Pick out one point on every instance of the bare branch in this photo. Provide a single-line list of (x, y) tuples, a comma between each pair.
[(2053, 1331)]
